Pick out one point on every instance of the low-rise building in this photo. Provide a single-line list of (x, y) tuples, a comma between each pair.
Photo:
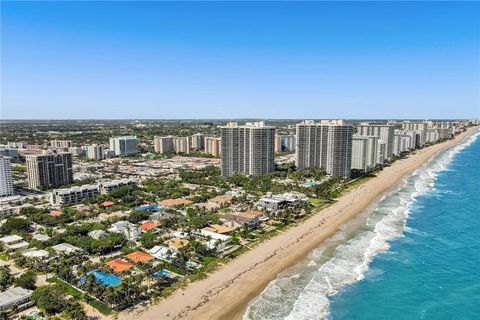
[(107, 186), (15, 298), (35, 253), (66, 248), (97, 234), (214, 241), (129, 230), (14, 242), (276, 202), (74, 195)]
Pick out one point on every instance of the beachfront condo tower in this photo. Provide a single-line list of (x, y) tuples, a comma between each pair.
[(385, 133), (327, 145), (247, 149)]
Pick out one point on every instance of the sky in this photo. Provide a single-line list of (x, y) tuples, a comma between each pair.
[(225, 60)]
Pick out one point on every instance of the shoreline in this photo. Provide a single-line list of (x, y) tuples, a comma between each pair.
[(226, 293)]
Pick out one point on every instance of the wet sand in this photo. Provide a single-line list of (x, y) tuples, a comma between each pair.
[(226, 293)]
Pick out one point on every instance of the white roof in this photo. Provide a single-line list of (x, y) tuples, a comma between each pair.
[(35, 253), (40, 237), (65, 247), (179, 234), (12, 295), (214, 235), (161, 252), (10, 239)]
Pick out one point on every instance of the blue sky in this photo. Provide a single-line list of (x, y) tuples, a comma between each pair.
[(71, 60)]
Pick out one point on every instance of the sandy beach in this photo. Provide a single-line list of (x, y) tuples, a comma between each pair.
[(226, 293)]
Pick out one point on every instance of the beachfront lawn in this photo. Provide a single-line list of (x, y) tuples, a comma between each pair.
[(206, 260), (101, 307)]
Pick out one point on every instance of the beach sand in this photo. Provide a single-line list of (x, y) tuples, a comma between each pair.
[(225, 294)]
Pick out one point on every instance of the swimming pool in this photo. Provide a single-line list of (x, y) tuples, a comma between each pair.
[(104, 278)]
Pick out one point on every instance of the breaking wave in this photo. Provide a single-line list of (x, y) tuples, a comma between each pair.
[(303, 291)]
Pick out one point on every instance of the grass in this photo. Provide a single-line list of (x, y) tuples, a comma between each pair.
[(206, 260), (172, 268), (101, 307)]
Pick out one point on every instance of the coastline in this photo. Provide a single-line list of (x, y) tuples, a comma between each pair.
[(226, 293)]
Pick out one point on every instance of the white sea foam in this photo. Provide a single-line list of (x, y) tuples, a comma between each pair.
[(307, 296)]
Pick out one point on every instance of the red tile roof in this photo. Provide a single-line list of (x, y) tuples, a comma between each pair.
[(139, 256), (55, 213), (119, 265), (149, 225)]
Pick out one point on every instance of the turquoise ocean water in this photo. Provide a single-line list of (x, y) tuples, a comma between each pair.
[(414, 255)]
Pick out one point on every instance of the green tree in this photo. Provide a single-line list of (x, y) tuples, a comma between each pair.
[(149, 240), (6, 278), (50, 299), (27, 280), (15, 225), (75, 311)]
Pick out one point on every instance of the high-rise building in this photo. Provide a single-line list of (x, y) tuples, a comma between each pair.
[(420, 127), (247, 149), (163, 144), (6, 182), (181, 144), (402, 143), (278, 145), (212, 146), (17, 144), (49, 170), (385, 132), (61, 144), (95, 151), (12, 153), (287, 142), (171, 144), (327, 145), (198, 142), (364, 152), (124, 145)]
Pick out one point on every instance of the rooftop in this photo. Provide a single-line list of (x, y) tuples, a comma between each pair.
[(55, 213), (219, 228), (175, 202), (11, 239), (119, 265), (177, 243), (149, 225), (139, 256), (11, 295)]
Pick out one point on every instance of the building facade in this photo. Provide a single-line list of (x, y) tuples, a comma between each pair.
[(49, 170), (364, 152), (198, 142), (74, 194), (212, 146), (95, 152), (287, 142), (327, 145), (6, 182), (247, 149), (163, 144), (61, 144), (385, 132), (123, 146), (420, 128)]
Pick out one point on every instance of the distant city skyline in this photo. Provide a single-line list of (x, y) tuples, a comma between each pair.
[(267, 60)]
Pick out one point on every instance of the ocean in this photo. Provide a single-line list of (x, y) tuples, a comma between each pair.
[(415, 254)]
